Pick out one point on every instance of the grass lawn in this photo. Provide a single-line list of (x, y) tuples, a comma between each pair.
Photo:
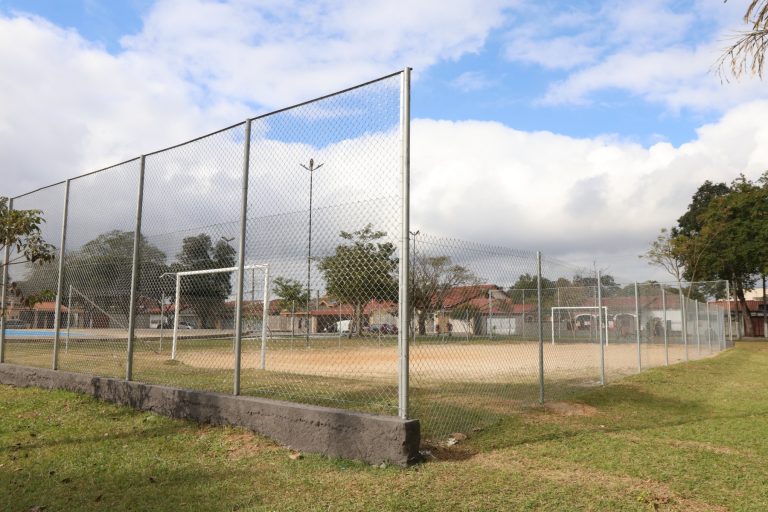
[(688, 437)]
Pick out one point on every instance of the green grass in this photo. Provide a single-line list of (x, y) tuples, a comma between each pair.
[(688, 437)]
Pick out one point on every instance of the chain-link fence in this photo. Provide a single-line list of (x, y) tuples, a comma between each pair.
[(273, 258)]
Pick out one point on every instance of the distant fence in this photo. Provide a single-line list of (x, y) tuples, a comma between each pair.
[(332, 300)]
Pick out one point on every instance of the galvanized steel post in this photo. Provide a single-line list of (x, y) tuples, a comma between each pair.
[(265, 319), (728, 300), (709, 329), (135, 273), (541, 329), (405, 226), (60, 282), (637, 329), (683, 320), (698, 336), (6, 257), (600, 327), (241, 257), (666, 334)]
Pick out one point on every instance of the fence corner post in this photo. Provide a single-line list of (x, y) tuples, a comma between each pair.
[(60, 282), (135, 273)]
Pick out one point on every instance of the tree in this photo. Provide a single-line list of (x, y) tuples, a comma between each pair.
[(101, 269), (20, 231), (690, 223), (747, 54), (732, 242), (206, 293), (360, 271), (665, 253), (433, 279), (291, 292)]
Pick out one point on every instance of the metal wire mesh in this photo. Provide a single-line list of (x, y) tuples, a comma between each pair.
[(30, 300), (491, 331), (190, 222), (474, 353), (324, 214), (97, 270), (572, 318)]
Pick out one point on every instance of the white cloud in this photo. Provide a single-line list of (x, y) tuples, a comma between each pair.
[(278, 53), (197, 66), (567, 196), (70, 107), (660, 51)]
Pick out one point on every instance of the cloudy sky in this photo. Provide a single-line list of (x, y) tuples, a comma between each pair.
[(577, 128)]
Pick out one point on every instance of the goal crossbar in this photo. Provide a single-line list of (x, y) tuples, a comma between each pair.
[(603, 309), (265, 298)]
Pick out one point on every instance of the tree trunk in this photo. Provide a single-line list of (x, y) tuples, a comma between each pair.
[(748, 330), (422, 323)]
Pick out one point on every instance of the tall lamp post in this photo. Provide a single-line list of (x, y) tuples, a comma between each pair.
[(312, 168)]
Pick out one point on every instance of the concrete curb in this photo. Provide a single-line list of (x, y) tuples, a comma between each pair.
[(331, 432)]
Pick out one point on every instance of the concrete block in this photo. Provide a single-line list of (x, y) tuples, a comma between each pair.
[(332, 432)]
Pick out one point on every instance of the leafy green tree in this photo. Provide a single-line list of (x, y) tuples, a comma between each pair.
[(433, 278), (361, 270), (206, 293), (665, 253), (291, 292), (732, 242), (20, 230), (690, 223), (100, 269)]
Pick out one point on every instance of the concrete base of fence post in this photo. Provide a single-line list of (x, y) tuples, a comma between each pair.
[(331, 432)]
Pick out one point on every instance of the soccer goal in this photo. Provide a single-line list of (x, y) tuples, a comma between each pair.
[(570, 309), (265, 303)]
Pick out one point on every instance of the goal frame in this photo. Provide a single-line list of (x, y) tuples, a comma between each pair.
[(265, 298), (602, 309)]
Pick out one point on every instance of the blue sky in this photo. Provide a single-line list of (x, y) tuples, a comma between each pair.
[(484, 84), (602, 116)]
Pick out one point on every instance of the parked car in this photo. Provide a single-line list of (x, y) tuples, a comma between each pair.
[(186, 325)]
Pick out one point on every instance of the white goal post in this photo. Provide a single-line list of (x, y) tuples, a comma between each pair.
[(604, 310), (265, 298)]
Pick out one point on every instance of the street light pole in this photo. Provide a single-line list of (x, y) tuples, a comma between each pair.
[(312, 168)]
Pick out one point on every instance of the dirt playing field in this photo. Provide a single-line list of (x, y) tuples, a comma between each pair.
[(487, 362)]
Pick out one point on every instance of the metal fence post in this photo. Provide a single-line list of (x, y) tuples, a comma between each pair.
[(404, 296), (666, 334), (698, 336), (709, 329), (600, 327), (728, 300), (264, 320), (683, 320), (60, 282), (241, 257), (541, 329), (490, 314), (135, 273), (637, 329), (6, 259)]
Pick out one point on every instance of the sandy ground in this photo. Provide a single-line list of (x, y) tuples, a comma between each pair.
[(488, 362)]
